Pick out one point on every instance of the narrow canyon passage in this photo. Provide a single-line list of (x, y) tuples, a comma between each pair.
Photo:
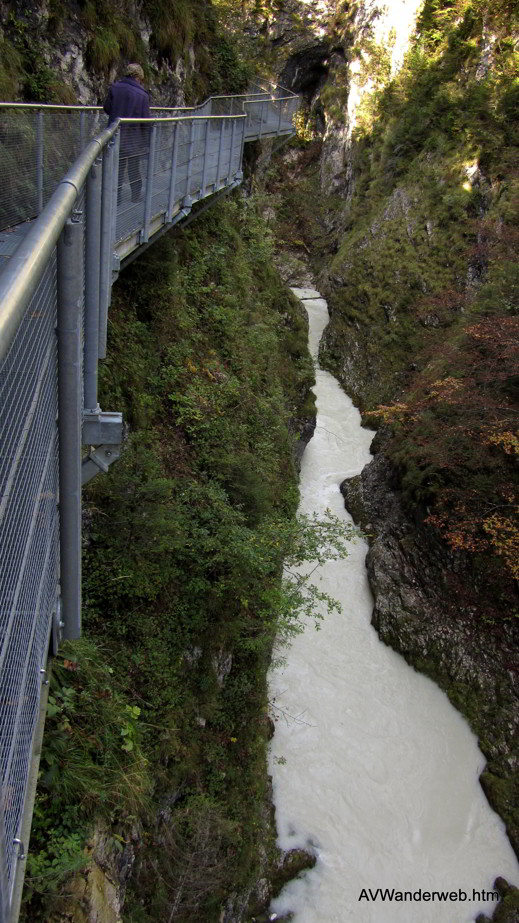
[(372, 768)]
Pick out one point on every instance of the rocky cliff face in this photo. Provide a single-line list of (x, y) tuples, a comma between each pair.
[(52, 52), (371, 27)]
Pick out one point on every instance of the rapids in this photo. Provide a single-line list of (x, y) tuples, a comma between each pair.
[(372, 767)]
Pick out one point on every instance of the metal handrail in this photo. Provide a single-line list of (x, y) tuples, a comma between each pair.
[(10, 105), (81, 108), (271, 99), (25, 268), (182, 118)]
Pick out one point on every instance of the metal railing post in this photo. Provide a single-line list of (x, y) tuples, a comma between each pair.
[(92, 279), (220, 149), (231, 150), (70, 296), (115, 191), (145, 233), (206, 159), (280, 115), (187, 197), (173, 179), (39, 159), (239, 174), (105, 270)]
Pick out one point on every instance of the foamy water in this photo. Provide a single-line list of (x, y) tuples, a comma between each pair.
[(375, 771)]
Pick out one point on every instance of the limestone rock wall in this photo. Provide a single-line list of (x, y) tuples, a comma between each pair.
[(54, 53)]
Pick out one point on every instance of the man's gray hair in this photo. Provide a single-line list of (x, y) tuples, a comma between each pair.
[(135, 71)]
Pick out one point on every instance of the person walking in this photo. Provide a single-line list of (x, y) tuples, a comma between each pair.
[(127, 99)]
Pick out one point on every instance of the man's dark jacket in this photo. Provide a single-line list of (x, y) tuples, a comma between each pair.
[(128, 100)]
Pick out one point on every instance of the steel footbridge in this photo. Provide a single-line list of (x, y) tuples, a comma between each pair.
[(75, 210)]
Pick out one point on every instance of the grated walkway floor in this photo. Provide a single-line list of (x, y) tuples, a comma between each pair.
[(9, 240)]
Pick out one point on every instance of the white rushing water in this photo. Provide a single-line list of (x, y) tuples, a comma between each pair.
[(376, 772)]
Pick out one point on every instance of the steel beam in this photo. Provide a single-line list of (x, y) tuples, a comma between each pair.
[(220, 148), (98, 461), (115, 192), (105, 271), (206, 161), (70, 304), (102, 427), (187, 198), (92, 276)]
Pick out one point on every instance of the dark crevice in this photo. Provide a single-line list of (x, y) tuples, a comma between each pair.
[(306, 71)]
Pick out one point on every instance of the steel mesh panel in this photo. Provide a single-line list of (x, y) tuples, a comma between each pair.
[(61, 147), (174, 113), (37, 147), (214, 128), (18, 191), (183, 142), (133, 171), (197, 155), (226, 164), (162, 167), (221, 106), (253, 111), (29, 548)]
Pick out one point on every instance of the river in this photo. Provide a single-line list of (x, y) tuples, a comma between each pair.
[(373, 769)]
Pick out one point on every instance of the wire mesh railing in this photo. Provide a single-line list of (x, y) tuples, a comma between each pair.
[(37, 147), (98, 201), (38, 144), (29, 543)]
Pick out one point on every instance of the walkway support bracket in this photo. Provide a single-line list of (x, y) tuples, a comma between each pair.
[(103, 431), (102, 427), (98, 461)]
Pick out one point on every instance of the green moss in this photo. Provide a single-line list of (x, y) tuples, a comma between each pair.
[(10, 70), (24, 71), (508, 909), (103, 52), (503, 795)]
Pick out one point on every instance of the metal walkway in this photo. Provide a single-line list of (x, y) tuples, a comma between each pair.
[(74, 206)]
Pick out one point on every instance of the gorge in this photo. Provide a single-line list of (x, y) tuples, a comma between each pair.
[(400, 195)]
